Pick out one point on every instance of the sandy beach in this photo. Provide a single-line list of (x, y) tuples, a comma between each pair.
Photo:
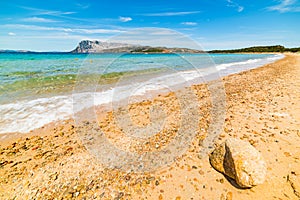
[(262, 107)]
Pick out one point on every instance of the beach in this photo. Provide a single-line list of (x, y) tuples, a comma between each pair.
[(262, 107)]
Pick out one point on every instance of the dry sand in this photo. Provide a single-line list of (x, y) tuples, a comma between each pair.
[(262, 107)]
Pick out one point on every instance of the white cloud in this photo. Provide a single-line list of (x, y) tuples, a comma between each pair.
[(82, 6), (11, 34), (285, 6), (125, 19), (48, 12), (189, 23), (164, 14), (240, 8), (38, 19), (235, 5), (62, 29), (94, 31), (162, 32)]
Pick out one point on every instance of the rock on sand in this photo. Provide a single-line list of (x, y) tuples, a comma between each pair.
[(239, 160)]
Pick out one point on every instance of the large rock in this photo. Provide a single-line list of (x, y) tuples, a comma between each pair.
[(239, 160)]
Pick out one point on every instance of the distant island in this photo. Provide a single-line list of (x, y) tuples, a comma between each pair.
[(88, 46)]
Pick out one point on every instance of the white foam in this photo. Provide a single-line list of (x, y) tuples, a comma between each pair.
[(25, 116), (251, 63), (224, 66)]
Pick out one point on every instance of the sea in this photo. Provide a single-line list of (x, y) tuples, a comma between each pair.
[(39, 88)]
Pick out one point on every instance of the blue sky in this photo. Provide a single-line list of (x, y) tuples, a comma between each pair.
[(58, 25)]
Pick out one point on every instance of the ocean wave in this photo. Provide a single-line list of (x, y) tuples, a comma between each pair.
[(258, 61)]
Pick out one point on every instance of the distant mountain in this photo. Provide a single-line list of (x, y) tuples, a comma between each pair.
[(87, 46), (259, 49)]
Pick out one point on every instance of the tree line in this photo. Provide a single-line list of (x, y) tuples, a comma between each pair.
[(259, 49)]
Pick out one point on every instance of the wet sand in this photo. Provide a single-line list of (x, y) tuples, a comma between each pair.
[(262, 107)]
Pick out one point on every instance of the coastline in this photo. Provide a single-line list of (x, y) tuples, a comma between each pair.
[(30, 104), (262, 107), (10, 136)]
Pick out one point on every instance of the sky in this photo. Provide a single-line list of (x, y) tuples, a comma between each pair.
[(58, 25)]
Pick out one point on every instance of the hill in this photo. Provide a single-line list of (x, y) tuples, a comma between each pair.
[(258, 49), (87, 46)]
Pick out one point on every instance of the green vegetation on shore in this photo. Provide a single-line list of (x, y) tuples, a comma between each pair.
[(255, 49), (148, 50), (259, 49)]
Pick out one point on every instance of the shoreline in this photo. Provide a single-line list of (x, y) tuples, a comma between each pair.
[(262, 107), (60, 105)]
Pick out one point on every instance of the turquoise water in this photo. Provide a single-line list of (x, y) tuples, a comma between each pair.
[(24, 66), (40, 86), (27, 74)]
